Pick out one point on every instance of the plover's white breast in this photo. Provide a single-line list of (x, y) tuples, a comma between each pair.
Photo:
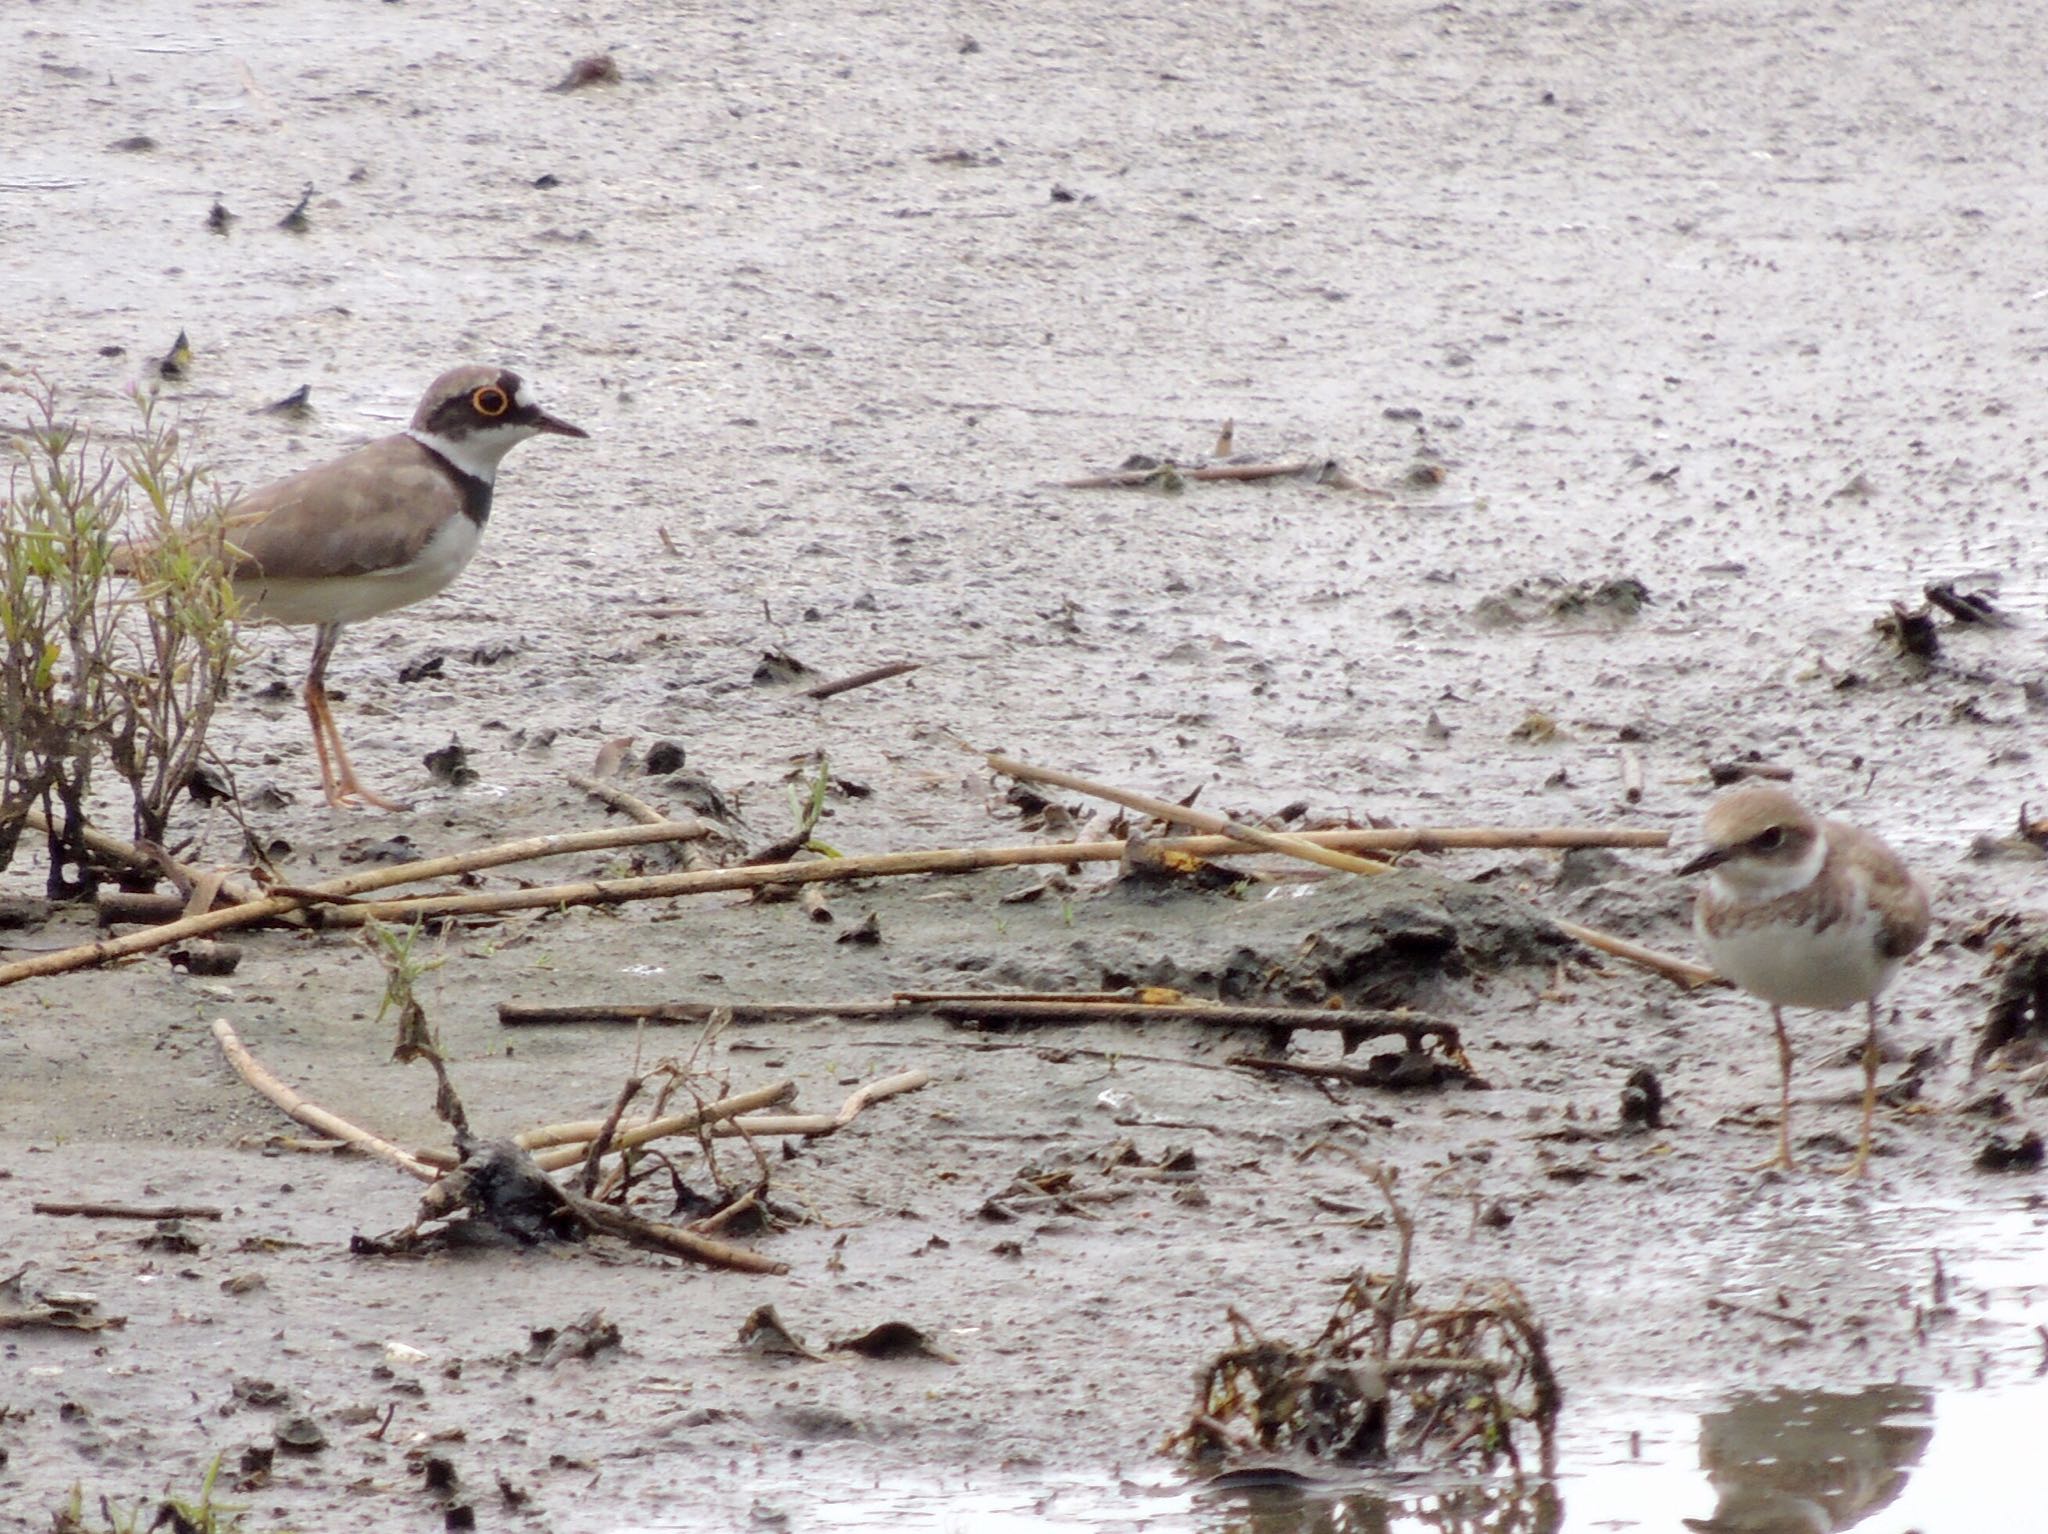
[(1786, 951)]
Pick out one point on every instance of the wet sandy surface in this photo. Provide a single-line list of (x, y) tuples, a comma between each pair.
[(839, 296)]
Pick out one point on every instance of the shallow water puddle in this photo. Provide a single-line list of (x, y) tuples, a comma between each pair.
[(1886, 1459)]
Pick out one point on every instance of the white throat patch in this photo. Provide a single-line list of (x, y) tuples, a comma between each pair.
[(1751, 880), (478, 453)]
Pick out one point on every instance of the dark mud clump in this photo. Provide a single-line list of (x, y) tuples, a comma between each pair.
[(1407, 938)]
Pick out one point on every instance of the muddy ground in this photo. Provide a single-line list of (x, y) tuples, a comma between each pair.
[(1737, 302)]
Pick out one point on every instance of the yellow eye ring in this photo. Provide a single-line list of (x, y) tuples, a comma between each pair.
[(491, 402)]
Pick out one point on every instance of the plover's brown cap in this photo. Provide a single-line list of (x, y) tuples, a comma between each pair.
[(1758, 821)]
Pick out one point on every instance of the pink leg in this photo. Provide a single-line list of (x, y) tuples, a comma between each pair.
[(1783, 1160), (337, 775), (1860, 1166)]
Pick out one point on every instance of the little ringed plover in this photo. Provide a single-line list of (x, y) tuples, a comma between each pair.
[(385, 526), (1805, 912)]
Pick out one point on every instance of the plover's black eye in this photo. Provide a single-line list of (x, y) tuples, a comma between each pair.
[(491, 402), (1771, 840)]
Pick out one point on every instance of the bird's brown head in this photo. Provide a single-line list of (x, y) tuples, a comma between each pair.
[(474, 415), (1757, 834)]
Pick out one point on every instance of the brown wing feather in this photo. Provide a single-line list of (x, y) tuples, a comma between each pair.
[(1899, 897), (362, 512)]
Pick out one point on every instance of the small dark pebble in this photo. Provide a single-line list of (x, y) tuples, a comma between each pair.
[(1642, 1099), (1911, 633), (301, 1435), (2002, 1155), (263, 1394), (450, 765), (419, 669), (206, 785), (201, 957), (296, 221), (598, 69), (866, 935), (663, 758), (296, 405)]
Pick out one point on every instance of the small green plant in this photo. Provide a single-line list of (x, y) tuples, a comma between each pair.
[(807, 804), (180, 642), (400, 951), (94, 669), (201, 1516)]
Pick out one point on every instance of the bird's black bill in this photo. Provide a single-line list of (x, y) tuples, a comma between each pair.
[(1705, 861), (560, 428)]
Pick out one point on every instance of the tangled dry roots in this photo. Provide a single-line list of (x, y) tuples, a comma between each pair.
[(1388, 1381)]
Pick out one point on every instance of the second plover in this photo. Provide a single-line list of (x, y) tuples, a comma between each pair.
[(1805, 912)]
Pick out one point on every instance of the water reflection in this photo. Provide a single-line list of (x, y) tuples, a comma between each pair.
[(1811, 1461), (1253, 1504)]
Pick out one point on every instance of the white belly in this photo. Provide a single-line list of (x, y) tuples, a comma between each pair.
[(351, 598), (1838, 966)]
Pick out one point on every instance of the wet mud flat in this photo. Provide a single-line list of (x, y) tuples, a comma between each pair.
[(843, 302), (1007, 1211)]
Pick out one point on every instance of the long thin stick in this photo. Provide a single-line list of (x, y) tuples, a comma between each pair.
[(251, 1070), (252, 911), (1672, 968), (810, 1125), (715, 880), (98, 841), (559, 1144), (865, 678), (93, 1211), (1180, 814), (619, 799), (676, 1239), (880, 865), (1675, 969), (995, 1009), (677, 1123), (1320, 468), (875, 1091)]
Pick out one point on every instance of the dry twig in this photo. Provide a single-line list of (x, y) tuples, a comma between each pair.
[(625, 803), (92, 1211), (865, 678), (1675, 969), (282, 900), (1004, 1010), (314, 1117)]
